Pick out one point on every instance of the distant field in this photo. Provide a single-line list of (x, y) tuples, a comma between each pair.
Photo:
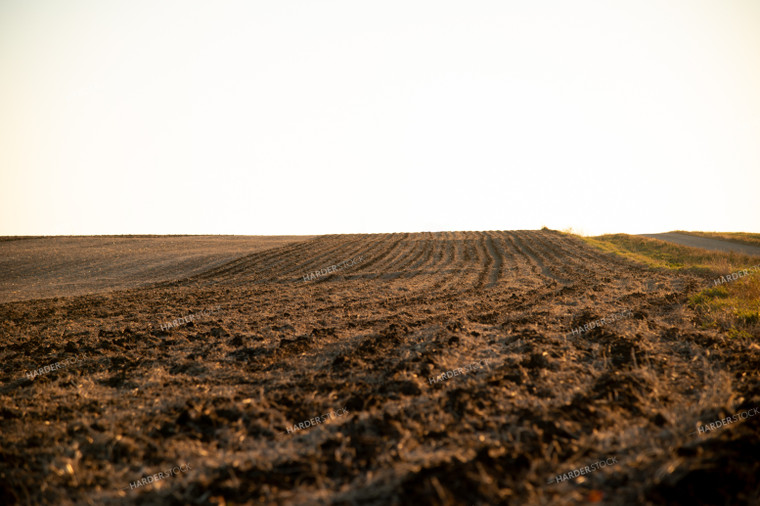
[(37, 267)]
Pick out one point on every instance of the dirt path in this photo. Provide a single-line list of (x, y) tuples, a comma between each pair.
[(705, 243)]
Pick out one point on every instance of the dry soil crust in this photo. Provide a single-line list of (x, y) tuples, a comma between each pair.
[(219, 392)]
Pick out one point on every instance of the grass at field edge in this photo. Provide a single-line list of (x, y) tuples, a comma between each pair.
[(731, 305)]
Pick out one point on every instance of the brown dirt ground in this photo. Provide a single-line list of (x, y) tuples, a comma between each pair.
[(219, 392), (42, 267)]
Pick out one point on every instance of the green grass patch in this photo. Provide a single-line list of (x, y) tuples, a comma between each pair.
[(733, 306), (662, 254)]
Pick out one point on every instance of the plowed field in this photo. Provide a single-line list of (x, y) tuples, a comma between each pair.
[(221, 389)]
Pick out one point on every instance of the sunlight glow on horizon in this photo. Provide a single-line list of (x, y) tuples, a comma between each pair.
[(345, 117)]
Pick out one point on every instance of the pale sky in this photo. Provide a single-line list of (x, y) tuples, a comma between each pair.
[(296, 117)]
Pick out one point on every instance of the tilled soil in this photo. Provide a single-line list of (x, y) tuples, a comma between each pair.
[(44, 267), (221, 393)]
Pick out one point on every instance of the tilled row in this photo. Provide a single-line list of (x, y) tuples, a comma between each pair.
[(441, 261)]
